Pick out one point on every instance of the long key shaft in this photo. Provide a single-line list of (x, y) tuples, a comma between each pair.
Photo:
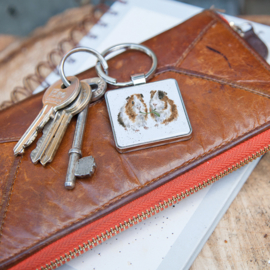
[(77, 166), (75, 152)]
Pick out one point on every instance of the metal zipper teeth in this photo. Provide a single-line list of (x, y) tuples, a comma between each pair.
[(148, 213)]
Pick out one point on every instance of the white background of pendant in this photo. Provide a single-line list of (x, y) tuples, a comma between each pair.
[(128, 138)]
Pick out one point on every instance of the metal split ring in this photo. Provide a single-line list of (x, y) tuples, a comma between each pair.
[(134, 79), (81, 49)]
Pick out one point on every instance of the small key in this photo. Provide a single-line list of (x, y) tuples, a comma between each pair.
[(54, 99), (46, 133), (77, 166), (50, 131), (68, 113)]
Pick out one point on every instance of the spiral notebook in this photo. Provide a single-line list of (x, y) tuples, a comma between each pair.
[(174, 237)]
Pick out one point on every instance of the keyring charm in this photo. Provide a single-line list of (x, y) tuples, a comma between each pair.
[(137, 79), (81, 49), (145, 115)]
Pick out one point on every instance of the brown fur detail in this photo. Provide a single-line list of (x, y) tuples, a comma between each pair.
[(174, 111), (129, 110), (166, 99), (120, 121), (152, 93), (144, 104)]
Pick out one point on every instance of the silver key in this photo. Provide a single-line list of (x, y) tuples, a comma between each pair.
[(68, 113), (50, 130), (47, 132), (54, 99), (77, 166)]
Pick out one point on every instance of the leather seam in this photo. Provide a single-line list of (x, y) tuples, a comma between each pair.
[(216, 80), (168, 172), (5, 140), (8, 199), (137, 188), (148, 183), (215, 16), (9, 138), (194, 42)]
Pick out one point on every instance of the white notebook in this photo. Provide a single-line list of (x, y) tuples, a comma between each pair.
[(174, 237), (171, 239)]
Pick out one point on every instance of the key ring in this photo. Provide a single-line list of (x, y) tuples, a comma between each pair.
[(81, 49), (136, 79)]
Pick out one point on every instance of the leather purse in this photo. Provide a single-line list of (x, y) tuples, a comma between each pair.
[(225, 87)]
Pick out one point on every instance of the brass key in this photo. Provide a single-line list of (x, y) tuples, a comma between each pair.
[(54, 99), (49, 131), (67, 115)]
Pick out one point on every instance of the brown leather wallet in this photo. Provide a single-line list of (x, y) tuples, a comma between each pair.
[(225, 87)]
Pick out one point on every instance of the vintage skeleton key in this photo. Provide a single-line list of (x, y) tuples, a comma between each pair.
[(77, 166), (68, 113), (83, 169), (55, 98), (51, 128)]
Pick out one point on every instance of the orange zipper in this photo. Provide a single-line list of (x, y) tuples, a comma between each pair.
[(90, 235), (147, 213)]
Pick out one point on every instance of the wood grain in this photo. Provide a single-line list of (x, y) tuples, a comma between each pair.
[(241, 240), (21, 56)]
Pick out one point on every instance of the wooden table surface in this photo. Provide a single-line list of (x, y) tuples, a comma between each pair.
[(242, 238)]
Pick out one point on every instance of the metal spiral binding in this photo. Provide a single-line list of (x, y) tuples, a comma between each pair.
[(55, 56)]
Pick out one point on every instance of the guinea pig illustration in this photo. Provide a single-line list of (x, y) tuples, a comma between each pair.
[(134, 113), (162, 109)]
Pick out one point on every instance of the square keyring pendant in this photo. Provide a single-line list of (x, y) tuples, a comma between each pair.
[(147, 115)]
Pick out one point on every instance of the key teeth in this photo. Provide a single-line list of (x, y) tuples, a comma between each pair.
[(34, 153), (31, 139), (44, 122), (21, 151)]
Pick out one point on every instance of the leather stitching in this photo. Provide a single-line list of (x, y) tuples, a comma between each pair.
[(168, 172), (215, 16), (171, 68), (8, 139), (211, 78), (4, 211), (132, 191), (142, 186), (194, 42)]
